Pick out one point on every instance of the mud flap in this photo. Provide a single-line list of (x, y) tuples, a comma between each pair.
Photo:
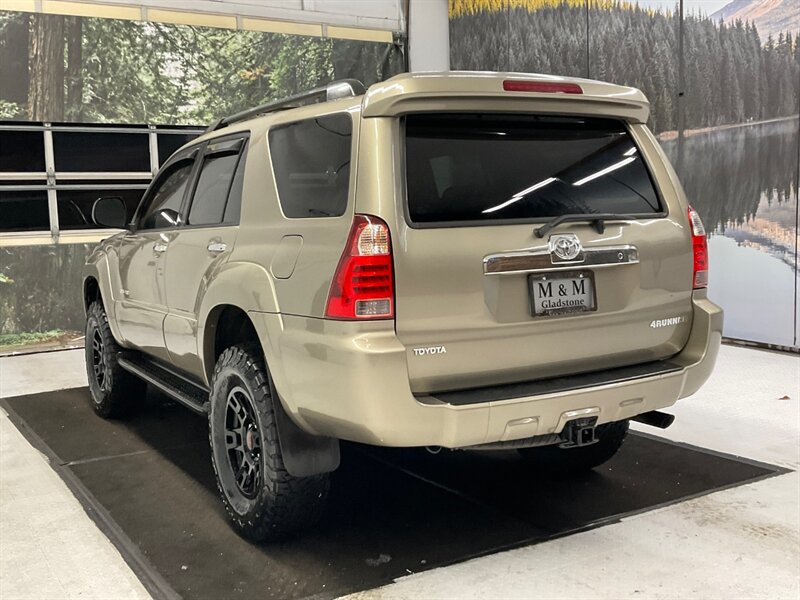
[(304, 454)]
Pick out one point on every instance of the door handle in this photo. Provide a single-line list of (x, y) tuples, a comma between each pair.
[(158, 247), (217, 247)]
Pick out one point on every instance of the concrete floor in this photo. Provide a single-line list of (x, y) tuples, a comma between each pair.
[(49, 547), (738, 543)]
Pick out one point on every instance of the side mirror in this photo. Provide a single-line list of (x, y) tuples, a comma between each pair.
[(110, 212), (166, 217)]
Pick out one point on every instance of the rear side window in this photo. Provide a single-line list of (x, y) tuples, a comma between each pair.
[(311, 162), (470, 168)]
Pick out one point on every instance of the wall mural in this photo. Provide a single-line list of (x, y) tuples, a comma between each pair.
[(733, 136), (60, 68), (40, 295), (90, 70)]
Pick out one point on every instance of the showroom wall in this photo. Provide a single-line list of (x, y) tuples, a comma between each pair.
[(727, 115), (91, 106)]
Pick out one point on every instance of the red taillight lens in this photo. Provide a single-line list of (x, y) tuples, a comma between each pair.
[(363, 285), (545, 87), (700, 249)]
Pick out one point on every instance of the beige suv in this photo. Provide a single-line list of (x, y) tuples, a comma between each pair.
[(463, 260)]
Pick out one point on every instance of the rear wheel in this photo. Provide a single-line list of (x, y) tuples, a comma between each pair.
[(574, 460), (113, 390), (263, 501)]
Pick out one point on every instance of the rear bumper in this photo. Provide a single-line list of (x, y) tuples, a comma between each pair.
[(350, 381)]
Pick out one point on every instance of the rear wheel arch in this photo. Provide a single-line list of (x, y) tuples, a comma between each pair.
[(235, 290), (226, 325), (304, 454)]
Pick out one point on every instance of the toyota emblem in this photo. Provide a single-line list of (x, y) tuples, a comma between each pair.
[(565, 246)]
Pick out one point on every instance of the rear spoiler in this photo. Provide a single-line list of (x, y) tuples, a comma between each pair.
[(503, 92)]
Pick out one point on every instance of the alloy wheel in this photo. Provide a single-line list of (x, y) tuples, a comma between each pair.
[(243, 442), (98, 363)]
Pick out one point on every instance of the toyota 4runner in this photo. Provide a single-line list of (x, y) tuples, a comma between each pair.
[(462, 260)]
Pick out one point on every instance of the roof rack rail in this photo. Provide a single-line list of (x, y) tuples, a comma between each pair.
[(343, 88)]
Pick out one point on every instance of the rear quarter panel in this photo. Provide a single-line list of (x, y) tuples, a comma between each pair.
[(263, 226)]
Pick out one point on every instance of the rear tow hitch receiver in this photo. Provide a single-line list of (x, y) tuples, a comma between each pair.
[(579, 432)]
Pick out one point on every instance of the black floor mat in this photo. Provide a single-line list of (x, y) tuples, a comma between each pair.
[(391, 512)]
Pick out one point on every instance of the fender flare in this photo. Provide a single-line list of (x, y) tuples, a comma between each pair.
[(97, 268), (246, 286)]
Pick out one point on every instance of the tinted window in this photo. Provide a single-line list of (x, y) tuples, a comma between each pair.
[(75, 206), (311, 161), (24, 211), (213, 186), (90, 151), (164, 201), (493, 167)]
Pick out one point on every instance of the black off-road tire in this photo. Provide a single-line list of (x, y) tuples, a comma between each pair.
[(114, 392), (555, 460), (273, 504)]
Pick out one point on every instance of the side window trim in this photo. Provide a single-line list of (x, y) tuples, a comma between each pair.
[(240, 164), (188, 154), (208, 150), (226, 145), (242, 148)]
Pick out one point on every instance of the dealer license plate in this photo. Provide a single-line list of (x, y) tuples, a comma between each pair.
[(560, 293)]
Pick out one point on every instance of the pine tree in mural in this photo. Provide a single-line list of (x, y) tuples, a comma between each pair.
[(732, 76), (46, 59)]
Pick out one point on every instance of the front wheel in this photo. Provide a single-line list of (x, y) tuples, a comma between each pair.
[(553, 459), (114, 391), (263, 501)]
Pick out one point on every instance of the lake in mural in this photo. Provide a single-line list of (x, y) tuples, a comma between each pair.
[(743, 181)]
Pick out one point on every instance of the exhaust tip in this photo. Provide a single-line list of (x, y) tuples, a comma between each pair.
[(655, 418)]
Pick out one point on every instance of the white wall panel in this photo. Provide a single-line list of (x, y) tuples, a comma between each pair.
[(428, 36), (374, 14), (379, 9)]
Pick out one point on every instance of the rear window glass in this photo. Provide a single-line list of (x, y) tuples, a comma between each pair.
[(311, 161), (496, 167)]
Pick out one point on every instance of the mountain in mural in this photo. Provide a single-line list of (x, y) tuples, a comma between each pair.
[(770, 16)]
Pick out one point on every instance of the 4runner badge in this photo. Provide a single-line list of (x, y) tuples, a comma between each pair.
[(430, 350), (667, 322)]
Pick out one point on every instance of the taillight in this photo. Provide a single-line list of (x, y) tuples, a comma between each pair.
[(545, 87), (700, 250), (363, 285)]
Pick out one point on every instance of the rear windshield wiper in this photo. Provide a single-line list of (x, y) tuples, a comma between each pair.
[(596, 219)]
